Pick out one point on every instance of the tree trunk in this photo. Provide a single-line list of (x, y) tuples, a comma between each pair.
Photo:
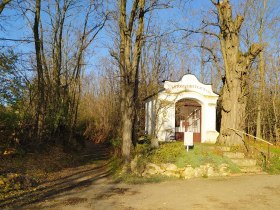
[(130, 52), (260, 96), (127, 121), (233, 114), (261, 75), (40, 73), (236, 64)]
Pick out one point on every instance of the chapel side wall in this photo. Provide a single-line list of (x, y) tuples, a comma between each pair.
[(212, 117), (210, 127), (150, 116), (166, 117), (204, 114), (169, 123), (147, 122)]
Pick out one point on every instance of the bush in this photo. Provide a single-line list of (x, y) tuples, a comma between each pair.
[(9, 121), (116, 146), (168, 153)]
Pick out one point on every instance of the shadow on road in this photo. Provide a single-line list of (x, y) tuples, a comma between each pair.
[(75, 179)]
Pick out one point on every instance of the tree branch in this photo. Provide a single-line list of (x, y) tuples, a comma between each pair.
[(238, 22), (16, 40), (132, 15), (253, 51), (3, 4)]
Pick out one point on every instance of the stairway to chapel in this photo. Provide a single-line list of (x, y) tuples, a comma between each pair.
[(246, 165)]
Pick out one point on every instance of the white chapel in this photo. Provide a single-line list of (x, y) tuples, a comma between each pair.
[(183, 109)]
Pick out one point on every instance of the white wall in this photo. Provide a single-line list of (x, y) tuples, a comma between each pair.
[(160, 109)]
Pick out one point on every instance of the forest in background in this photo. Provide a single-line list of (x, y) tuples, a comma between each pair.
[(61, 69)]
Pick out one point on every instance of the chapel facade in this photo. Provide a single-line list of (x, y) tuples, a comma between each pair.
[(182, 109)]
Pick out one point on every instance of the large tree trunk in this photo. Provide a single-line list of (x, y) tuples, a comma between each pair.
[(127, 121), (236, 64), (130, 52), (233, 114)]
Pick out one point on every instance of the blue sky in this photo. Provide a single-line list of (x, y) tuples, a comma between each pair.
[(186, 15), (16, 27)]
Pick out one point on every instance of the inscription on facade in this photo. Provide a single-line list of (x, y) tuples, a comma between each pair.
[(190, 87)]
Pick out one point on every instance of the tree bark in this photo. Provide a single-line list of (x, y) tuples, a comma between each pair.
[(40, 73), (260, 97), (236, 65), (130, 52), (261, 75)]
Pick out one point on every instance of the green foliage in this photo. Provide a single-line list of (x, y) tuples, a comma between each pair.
[(176, 153), (274, 163), (115, 164), (201, 154), (15, 127), (146, 139), (168, 153), (11, 87), (9, 123), (143, 149), (116, 144)]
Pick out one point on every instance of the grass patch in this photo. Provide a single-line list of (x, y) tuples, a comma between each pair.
[(115, 166), (175, 153), (168, 153), (200, 154), (274, 163), (273, 166)]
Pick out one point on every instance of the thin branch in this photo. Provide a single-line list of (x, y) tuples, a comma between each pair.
[(16, 40), (132, 15)]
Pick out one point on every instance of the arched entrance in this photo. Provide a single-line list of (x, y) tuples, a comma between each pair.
[(188, 119)]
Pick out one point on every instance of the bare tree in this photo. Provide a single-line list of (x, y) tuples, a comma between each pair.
[(261, 70), (129, 58), (60, 59), (236, 65), (40, 74)]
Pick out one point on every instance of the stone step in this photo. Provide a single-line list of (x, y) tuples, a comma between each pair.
[(234, 155), (251, 169), (244, 162)]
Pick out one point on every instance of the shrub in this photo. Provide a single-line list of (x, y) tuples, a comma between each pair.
[(168, 153), (116, 144)]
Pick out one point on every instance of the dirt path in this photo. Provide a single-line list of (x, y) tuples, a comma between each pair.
[(244, 192), (90, 187), (73, 178)]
